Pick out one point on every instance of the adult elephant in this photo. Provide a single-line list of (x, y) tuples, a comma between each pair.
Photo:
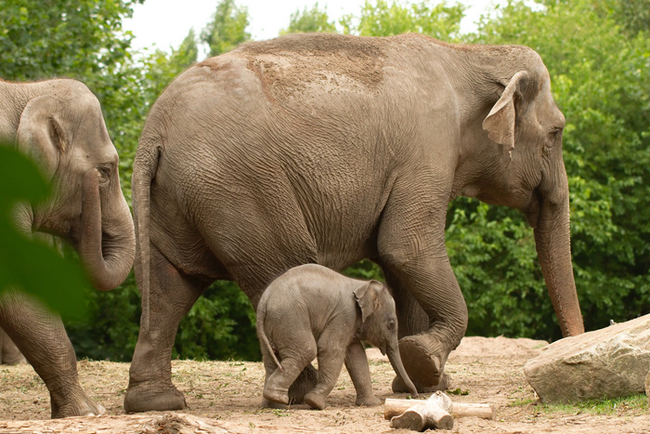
[(60, 124), (328, 149)]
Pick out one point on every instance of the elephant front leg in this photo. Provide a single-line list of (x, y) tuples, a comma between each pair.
[(431, 309), (150, 377), (425, 345), (41, 337), (356, 363)]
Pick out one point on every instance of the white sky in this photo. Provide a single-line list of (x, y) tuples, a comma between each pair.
[(165, 23)]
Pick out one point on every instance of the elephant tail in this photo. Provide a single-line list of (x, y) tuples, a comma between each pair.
[(264, 341), (145, 166)]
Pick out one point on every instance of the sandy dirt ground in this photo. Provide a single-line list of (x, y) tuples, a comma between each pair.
[(224, 397)]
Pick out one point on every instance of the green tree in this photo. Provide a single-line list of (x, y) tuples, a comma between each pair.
[(80, 39), (42, 38), (186, 54), (310, 21), (161, 68), (227, 28), (384, 19)]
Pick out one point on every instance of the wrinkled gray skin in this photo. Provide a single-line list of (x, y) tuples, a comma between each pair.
[(313, 312), (9, 352), (328, 149), (59, 123)]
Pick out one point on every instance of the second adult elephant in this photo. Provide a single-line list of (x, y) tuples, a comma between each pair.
[(59, 123), (328, 149)]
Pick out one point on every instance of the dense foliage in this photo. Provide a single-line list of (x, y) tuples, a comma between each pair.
[(227, 28), (310, 20), (598, 54)]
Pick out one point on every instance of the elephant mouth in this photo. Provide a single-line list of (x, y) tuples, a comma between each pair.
[(534, 209)]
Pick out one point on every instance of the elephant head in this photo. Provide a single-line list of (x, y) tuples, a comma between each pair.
[(62, 127), (525, 125), (379, 325)]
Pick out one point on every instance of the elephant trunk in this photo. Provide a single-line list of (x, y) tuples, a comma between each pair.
[(107, 242), (553, 243), (392, 351)]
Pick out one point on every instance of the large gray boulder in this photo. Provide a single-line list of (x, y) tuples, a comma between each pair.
[(605, 363)]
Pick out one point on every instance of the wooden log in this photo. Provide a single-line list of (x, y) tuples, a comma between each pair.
[(395, 407), (430, 414), (423, 416), (484, 411)]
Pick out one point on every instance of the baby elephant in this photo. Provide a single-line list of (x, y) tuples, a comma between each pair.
[(311, 311)]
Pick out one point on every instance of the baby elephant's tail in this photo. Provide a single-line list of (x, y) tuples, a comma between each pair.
[(264, 341)]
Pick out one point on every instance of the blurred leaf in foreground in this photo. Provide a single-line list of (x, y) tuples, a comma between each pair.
[(28, 264)]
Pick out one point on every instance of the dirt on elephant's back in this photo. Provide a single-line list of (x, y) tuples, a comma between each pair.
[(224, 397)]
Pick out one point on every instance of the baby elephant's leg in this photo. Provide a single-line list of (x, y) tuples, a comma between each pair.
[(331, 353), (294, 356), (270, 367), (356, 363)]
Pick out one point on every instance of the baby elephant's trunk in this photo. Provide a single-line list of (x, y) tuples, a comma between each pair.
[(392, 351)]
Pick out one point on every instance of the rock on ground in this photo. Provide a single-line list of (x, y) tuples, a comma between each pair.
[(647, 386), (606, 363)]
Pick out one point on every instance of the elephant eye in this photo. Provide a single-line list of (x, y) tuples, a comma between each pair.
[(391, 324), (556, 134), (105, 174)]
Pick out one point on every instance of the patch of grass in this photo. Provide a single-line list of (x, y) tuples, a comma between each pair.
[(522, 402), (279, 412), (458, 391), (600, 406)]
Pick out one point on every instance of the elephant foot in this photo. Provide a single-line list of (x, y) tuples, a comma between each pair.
[(277, 396), (270, 404), (400, 387), (421, 361), (148, 397), (304, 384), (368, 401), (315, 401), (81, 405)]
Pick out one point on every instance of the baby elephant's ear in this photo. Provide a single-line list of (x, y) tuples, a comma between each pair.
[(368, 296)]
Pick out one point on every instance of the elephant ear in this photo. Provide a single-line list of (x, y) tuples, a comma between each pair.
[(40, 134), (500, 122), (368, 297)]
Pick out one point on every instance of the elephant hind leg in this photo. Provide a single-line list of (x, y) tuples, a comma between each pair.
[(269, 367), (294, 360), (171, 296), (302, 385)]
